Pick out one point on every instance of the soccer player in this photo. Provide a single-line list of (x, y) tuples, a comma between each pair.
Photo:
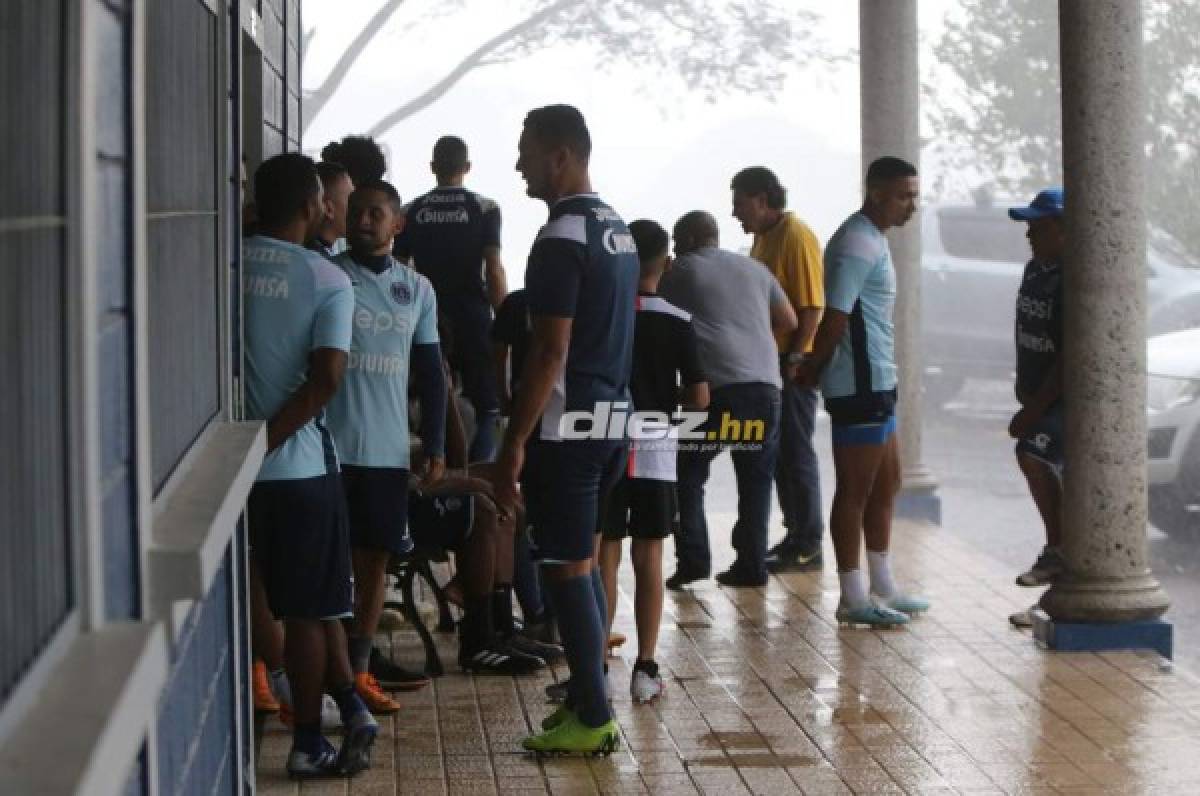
[(395, 335), (582, 285), (361, 156), (330, 237), (854, 358), (1038, 426), (642, 504), (297, 333), (792, 253), (452, 236)]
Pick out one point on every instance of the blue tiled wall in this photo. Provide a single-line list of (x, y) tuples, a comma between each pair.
[(196, 750)]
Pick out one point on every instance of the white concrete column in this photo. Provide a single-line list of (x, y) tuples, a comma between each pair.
[(1104, 511), (889, 112)]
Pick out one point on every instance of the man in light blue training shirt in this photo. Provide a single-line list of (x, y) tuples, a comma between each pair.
[(395, 327), (298, 310), (854, 358)]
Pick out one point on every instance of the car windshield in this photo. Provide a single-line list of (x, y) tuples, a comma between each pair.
[(982, 234)]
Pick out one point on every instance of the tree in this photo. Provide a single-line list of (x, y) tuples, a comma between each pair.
[(1002, 118), (715, 47)]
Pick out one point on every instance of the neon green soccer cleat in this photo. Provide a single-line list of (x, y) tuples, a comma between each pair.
[(560, 714), (573, 737)]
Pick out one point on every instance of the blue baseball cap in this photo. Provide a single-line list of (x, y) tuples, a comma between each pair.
[(1046, 204)]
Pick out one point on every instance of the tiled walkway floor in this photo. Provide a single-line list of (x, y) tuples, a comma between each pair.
[(767, 695)]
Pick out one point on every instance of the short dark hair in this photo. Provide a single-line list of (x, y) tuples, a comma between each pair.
[(650, 238), (560, 125), (330, 172), (888, 168), (760, 179), (449, 155), (385, 188), (361, 156), (283, 185)]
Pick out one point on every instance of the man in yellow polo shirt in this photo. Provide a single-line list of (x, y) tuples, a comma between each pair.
[(792, 253)]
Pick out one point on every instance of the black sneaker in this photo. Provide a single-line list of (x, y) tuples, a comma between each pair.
[(683, 576), (392, 677), (500, 659), (790, 559), (537, 649), (735, 578)]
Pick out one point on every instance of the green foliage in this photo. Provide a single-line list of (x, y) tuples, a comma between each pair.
[(1002, 122)]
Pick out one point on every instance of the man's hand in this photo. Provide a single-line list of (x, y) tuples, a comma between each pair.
[(434, 471), (806, 374), (1022, 423), (503, 476)]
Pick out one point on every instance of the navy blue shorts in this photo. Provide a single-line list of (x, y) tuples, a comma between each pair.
[(377, 503), (470, 322), (562, 483), (1045, 441), (300, 540), (640, 508), (441, 521), (868, 419)]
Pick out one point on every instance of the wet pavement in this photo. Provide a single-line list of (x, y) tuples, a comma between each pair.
[(766, 694)]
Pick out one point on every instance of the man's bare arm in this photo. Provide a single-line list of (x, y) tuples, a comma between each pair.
[(497, 280), (808, 318), (326, 367), (695, 396), (829, 334), (783, 317)]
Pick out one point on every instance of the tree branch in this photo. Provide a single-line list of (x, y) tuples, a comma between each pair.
[(315, 101), (473, 60)]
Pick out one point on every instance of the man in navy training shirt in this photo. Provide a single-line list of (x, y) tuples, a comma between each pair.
[(453, 237), (642, 505), (297, 334), (1038, 426), (854, 357), (582, 285)]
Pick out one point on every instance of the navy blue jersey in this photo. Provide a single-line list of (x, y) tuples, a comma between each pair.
[(445, 232), (1039, 327), (584, 265)]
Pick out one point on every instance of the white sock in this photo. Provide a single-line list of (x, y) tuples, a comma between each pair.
[(881, 574), (281, 687), (854, 589)]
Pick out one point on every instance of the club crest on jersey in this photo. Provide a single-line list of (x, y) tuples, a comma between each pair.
[(618, 242), (401, 293)]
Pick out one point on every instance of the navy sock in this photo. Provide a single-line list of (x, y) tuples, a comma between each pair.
[(307, 738), (483, 447), (582, 631), (525, 578), (601, 599), (348, 702)]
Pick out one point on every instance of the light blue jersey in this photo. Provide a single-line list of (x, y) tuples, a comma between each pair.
[(393, 311), (296, 301), (861, 282)]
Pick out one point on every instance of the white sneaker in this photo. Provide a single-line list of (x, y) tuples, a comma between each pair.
[(646, 687)]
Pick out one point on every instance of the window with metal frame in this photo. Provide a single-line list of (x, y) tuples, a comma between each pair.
[(185, 381), (37, 592)]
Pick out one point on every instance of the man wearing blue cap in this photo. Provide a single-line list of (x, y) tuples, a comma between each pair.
[(1038, 426)]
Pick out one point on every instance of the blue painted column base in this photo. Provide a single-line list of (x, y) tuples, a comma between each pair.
[(919, 504), (1154, 634)]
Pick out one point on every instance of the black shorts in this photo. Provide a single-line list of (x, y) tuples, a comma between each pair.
[(442, 521), (377, 504), (1045, 441), (301, 543), (640, 508), (562, 483), (855, 410), (470, 321)]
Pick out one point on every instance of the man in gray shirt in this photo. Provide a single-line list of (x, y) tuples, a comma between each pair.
[(736, 307)]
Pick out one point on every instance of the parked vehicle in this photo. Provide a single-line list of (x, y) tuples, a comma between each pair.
[(1173, 444), (972, 260)]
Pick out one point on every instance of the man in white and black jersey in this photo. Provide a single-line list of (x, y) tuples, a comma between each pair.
[(452, 236), (642, 505)]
